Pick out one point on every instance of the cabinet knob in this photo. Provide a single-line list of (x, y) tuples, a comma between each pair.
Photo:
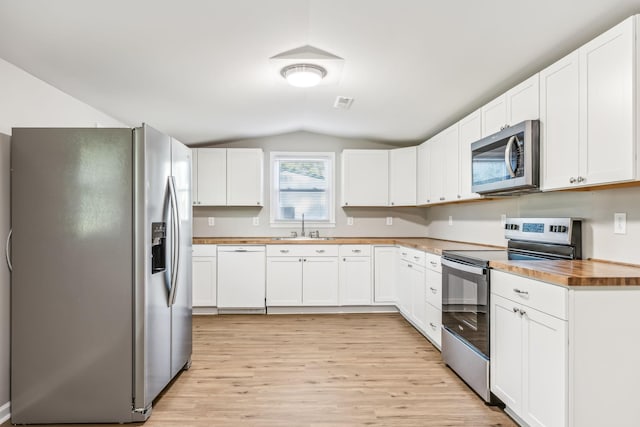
[(515, 309), (392, 203), (344, 259), (434, 290), (580, 179), (572, 180), (299, 259), (441, 198), (346, 203)]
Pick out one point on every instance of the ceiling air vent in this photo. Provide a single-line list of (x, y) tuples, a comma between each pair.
[(343, 103)]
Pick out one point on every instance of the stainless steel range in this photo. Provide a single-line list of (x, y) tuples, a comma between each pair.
[(466, 290)]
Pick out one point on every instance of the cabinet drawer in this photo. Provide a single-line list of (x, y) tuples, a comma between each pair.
[(434, 289), (302, 250), (433, 262), (414, 256), (355, 250), (433, 324), (204, 250), (542, 296)]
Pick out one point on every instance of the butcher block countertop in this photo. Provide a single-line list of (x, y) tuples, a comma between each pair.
[(577, 273), (435, 246)]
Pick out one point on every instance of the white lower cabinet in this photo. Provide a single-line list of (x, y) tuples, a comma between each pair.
[(384, 277), (355, 275), (204, 275), (410, 285), (433, 298), (299, 275)]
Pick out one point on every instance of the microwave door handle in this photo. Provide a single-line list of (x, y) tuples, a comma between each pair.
[(507, 156)]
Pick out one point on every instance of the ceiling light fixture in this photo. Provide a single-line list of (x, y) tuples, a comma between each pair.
[(303, 75)]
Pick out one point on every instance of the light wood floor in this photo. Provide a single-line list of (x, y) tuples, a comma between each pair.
[(317, 370)]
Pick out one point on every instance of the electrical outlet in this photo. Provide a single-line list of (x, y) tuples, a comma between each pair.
[(450, 220), (503, 219), (620, 223), (389, 220), (349, 220), (211, 221), (256, 220)]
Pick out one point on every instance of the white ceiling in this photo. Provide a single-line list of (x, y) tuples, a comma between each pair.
[(200, 69)]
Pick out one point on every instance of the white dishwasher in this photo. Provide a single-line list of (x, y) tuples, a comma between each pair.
[(241, 277)]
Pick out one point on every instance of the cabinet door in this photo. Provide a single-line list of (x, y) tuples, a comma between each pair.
[(204, 281), (355, 280), (245, 177), (523, 101), (607, 116), (545, 368), (403, 287), (284, 281), (506, 352), (365, 178), (436, 170), (470, 131), (418, 300), (212, 177), (320, 281), (194, 176), (402, 176), (494, 116), (384, 279), (423, 184), (451, 161), (559, 123)]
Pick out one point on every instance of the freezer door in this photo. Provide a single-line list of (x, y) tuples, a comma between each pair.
[(71, 292), (181, 308), (152, 346)]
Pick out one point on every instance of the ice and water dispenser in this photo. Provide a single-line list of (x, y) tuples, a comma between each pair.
[(158, 247)]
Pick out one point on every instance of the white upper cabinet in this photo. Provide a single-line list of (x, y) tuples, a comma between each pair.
[(470, 131), (451, 163), (588, 113), (209, 169), (438, 167), (245, 177), (516, 105), (227, 177), (423, 189), (402, 176), (365, 178)]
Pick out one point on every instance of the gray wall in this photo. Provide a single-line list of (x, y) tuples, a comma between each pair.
[(234, 221), (480, 221)]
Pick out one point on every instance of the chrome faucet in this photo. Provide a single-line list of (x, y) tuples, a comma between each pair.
[(302, 233)]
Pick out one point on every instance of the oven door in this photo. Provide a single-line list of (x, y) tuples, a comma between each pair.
[(465, 303)]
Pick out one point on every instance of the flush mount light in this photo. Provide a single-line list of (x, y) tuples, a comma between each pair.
[(303, 75)]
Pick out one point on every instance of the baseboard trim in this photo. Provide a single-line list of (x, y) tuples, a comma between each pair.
[(197, 311), (5, 413), (333, 309)]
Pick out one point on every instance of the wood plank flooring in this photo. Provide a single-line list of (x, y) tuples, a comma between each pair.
[(317, 370)]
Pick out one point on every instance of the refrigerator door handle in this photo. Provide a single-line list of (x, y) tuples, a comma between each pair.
[(7, 250), (175, 240)]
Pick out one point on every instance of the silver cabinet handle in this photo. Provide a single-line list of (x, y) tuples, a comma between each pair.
[(404, 253), (299, 259), (410, 265), (572, 180), (522, 313), (356, 251), (581, 179), (441, 198), (320, 251), (416, 258), (7, 249), (433, 263), (284, 251), (240, 250), (515, 309), (519, 292), (432, 326), (434, 290)]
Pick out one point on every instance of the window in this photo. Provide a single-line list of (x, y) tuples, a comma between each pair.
[(302, 183)]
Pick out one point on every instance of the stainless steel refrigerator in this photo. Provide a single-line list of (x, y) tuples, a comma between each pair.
[(101, 279)]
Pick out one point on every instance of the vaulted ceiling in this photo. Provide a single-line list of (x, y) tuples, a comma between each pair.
[(201, 69)]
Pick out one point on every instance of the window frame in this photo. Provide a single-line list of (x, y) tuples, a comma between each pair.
[(276, 156)]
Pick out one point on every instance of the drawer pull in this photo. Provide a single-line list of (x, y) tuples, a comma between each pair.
[(356, 251), (284, 251), (515, 309), (433, 263), (320, 251), (434, 290), (522, 313), (404, 253), (416, 258), (519, 292), (432, 326), (410, 265)]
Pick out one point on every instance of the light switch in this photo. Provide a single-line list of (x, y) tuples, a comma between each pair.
[(450, 220)]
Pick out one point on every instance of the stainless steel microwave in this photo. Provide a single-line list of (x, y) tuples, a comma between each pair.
[(507, 162)]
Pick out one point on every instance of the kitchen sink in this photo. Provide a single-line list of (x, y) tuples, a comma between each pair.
[(302, 238)]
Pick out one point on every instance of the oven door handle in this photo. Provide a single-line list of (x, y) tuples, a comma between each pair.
[(463, 267)]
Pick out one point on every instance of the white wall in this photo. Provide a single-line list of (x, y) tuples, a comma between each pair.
[(27, 101), (480, 221), (233, 221)]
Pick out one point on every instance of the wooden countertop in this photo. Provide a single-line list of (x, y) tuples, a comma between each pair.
[(435, 246), (578, 273)]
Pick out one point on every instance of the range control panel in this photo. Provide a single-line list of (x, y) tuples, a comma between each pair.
[(545, 230)]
